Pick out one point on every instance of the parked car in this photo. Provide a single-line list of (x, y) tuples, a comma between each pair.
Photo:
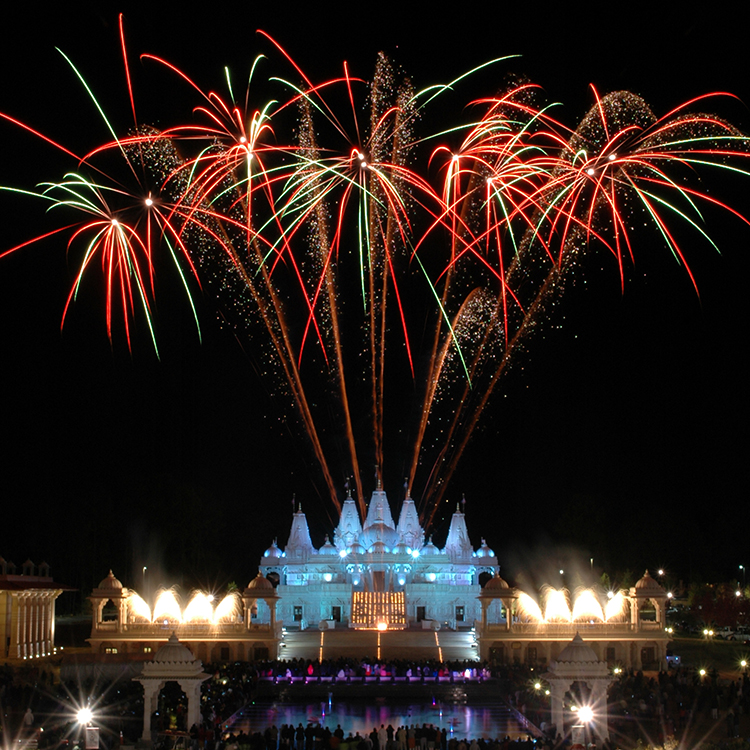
[(742, 634), (725, 634)]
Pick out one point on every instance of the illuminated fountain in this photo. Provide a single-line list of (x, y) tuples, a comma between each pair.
[(200, 608), (587, 607), (212, 630), (618, 625)]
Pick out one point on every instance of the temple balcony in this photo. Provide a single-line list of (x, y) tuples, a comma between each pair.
[(560, 629), (188, 628)]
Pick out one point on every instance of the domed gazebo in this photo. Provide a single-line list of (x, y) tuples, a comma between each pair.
[(578, 662), (647, 590), (259, 588), (497, 588), (109, 590), (173, 663)]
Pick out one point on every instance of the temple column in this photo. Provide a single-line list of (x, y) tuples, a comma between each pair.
[(52, 605), (192, 689), (13, 647), (150, 704), (558, 689), (661, 653), (29, 639), (122, 610), (22, 627), (600, 722), (36, 630), (43, 624), (638, 656), (31, 621)]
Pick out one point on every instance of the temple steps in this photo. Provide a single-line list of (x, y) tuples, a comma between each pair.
[(412, 644)]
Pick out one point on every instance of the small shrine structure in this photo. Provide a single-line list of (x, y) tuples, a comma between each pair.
[(173, 663), (579, 670)]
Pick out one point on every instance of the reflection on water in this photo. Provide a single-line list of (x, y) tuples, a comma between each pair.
[(486, 720)]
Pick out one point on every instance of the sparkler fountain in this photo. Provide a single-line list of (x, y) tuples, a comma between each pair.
[(207, 629), (614, 625)]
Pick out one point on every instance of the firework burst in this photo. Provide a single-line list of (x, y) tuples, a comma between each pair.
[(362, 260)]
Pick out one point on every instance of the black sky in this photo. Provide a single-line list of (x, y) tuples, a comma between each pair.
[(625, 437)]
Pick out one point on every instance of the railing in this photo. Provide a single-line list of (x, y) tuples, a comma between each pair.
[(569, 628), (160, 629), (109, 626), (650, 625)]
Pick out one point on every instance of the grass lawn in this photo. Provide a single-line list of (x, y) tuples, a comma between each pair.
[(723, 656)]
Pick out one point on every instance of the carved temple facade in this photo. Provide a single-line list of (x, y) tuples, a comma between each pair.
[(378, 572)]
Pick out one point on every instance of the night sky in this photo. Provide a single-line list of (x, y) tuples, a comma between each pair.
[(623, 437)]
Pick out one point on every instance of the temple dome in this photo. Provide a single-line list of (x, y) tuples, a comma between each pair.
[(484, 550), (173, 652), (496, 584), (110, 582), (577, 651), (429, 549), (260, 583), (328, 549), (273, 552), (647, 586)]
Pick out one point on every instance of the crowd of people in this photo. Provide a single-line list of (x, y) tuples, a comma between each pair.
[(671, 703), (424, 737), (344, 668), (660, 707)]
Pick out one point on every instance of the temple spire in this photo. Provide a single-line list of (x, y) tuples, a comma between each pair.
[(458, 536), (299, 543)]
